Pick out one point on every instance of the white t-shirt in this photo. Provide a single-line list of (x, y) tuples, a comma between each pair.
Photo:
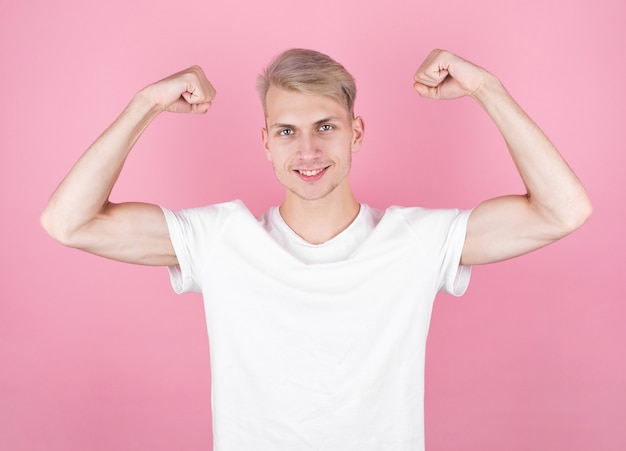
[(318, 347)]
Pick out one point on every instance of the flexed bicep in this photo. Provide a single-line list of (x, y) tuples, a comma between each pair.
[(130, 232), (79, 213)]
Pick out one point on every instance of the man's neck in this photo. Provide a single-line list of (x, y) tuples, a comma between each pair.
[(318, 221)]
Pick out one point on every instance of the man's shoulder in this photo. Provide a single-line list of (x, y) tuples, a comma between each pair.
[(210, 217), (420, 212), (210, 210), (424, 218)]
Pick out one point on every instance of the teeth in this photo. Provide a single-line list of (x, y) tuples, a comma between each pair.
[(310, 173)]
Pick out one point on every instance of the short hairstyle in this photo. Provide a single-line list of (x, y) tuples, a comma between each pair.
[(308, 72)]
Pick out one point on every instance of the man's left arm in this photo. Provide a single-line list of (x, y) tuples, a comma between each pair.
[(555, 203)]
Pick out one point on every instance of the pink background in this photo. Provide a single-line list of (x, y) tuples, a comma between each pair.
[(98, 355)]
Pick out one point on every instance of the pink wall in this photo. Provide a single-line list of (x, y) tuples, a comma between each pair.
[(98, 355)]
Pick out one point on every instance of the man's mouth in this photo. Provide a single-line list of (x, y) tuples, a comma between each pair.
[(311, 175), (310, 172)]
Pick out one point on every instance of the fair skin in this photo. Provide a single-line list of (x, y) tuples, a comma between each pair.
[(310, 140), (555, 203), (79, 213)]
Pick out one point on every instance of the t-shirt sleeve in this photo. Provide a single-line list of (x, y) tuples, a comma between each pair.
[(182, 275), (455, 277), (441, 237), (192, 232)]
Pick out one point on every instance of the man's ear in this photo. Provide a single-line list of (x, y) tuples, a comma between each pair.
[(358, 130), (264, 138)]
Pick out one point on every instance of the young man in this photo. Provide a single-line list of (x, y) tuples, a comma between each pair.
[(318, 311)]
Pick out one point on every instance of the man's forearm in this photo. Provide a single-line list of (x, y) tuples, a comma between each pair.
[(553, 189), (79, 213), (84, 192)]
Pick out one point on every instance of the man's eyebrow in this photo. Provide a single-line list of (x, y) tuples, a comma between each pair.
[(281, 125), (316, 123), (327, 119)]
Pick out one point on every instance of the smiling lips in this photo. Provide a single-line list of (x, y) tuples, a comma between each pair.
[(310, 173)]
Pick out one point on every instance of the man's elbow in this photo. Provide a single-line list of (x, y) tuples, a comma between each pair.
[(576, 216), (56, 228)]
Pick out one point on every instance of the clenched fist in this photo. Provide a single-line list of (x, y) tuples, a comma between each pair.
[(187, 91), (443, 75)]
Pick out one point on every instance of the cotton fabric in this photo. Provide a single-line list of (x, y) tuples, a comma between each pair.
[(318, 347)]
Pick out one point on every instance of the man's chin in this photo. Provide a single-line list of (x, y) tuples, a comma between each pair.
[(312, 195)]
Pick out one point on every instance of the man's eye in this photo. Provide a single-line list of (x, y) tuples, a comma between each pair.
[(326, 127), (285, 132)]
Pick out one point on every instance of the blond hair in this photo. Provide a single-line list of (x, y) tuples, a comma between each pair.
[(308, 72)]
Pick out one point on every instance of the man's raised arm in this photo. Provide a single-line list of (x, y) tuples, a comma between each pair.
[(555, 203), (79, 213)]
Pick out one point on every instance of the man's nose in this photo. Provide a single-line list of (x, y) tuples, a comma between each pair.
[(308, 147)]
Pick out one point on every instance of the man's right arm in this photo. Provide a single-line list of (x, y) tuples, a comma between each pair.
[(79, 213)]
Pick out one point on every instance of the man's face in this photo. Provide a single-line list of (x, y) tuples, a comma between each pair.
[(310, 139)]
